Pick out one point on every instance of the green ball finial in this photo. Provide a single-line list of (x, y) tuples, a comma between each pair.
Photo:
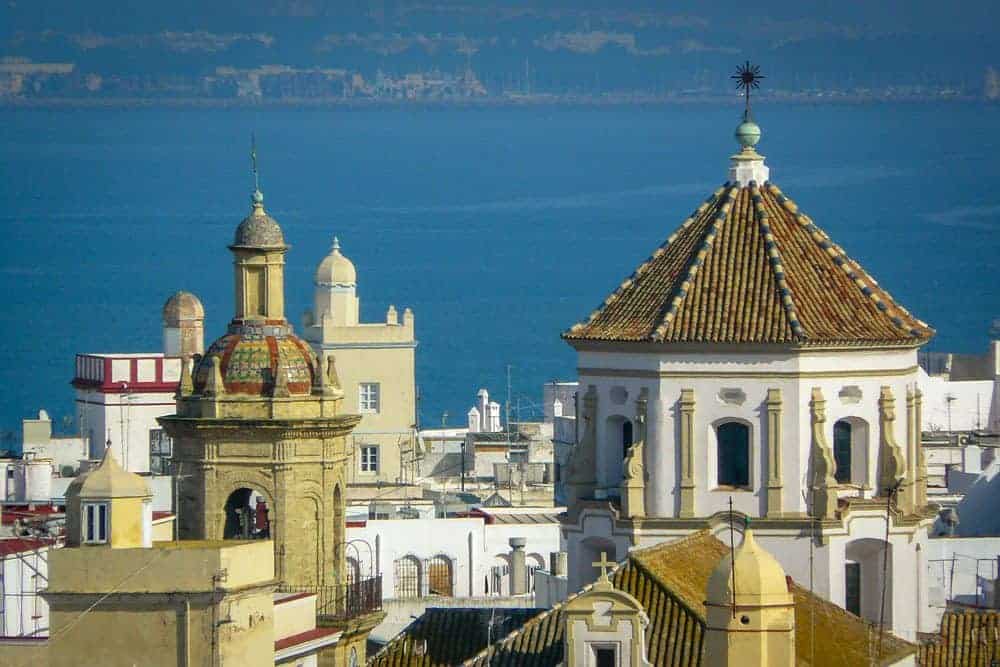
[(747, 134)]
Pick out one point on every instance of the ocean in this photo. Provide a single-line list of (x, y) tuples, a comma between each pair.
[(499, 227)]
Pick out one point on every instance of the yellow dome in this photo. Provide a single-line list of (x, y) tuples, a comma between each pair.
[(336, 270), (760, 579), (109, 480)]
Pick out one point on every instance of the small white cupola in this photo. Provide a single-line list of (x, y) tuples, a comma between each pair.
[(335, 283)]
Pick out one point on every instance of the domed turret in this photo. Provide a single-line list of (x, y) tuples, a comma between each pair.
[(258, 230), (335, 298), (109, 506), (750, 610), (759, 577), (183, 325), (336, 270)]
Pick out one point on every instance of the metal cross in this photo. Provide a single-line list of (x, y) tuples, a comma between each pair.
[(604, 564)]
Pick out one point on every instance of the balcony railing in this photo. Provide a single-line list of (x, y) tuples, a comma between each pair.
[(346, 601)]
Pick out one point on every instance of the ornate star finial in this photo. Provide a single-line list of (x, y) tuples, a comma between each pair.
[(747, 78)]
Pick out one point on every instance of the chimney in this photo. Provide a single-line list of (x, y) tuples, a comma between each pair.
[(518, 569), (558, 563)]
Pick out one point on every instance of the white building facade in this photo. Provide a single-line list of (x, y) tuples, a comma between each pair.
[(451, 558), (750, 369), (24, 572), (119, 397)]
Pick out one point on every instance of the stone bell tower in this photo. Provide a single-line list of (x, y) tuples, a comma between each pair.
[(259, 438)]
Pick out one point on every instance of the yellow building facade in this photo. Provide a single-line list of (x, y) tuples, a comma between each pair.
[(116, 598), (375, 367)]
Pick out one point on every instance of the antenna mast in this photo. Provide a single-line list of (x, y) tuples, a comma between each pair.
[(732, 552), (253, 161)]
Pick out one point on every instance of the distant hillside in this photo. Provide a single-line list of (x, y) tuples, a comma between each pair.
[(557, 48)]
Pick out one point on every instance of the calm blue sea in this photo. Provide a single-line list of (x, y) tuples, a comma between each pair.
[(500, 228)]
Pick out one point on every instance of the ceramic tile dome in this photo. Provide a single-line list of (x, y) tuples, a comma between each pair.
[(258, 230), (250, 361)]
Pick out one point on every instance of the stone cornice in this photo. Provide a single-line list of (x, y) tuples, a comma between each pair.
[(260, 430), (748, 374)]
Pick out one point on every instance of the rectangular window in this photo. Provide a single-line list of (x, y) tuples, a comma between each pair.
[(369, 459), (852, 592), (604, 656), (95, 523), (368, 397), (161, 449)]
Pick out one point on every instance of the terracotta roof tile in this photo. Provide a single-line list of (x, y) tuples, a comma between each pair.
[(669, 580), (749, 267), (968, 639)]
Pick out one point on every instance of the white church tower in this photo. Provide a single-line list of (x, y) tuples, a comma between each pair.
[(750, 360), (375, 363)]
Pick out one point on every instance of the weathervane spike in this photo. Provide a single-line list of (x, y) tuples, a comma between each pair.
[(253, 161)]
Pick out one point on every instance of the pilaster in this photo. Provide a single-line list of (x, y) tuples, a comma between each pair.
[(774, 464), (687, 508)]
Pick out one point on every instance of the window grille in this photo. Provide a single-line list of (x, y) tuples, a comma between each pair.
[(407, 577)]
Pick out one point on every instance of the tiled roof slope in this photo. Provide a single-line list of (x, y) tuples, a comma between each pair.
[(452, 635), (669, 580), (968, 639), (748, 267)]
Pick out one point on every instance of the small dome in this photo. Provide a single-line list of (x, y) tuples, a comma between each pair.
[(335, 269), (258, 230), (747, 133), (760, 579), (182, 306), (109, 480), (250, 362)]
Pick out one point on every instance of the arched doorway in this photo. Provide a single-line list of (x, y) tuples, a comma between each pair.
[(248, 516), (868, 579)]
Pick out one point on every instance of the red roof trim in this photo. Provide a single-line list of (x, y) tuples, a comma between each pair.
[(293, 598), (20, 545), (303, 637)]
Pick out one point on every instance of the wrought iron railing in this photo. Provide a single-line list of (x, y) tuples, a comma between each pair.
[(356, 598)]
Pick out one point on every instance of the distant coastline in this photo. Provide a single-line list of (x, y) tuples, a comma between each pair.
[(526, 101)]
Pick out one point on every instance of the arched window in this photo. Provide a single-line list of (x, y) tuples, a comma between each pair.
[(626, 437), (842, 451), (733, 440), (247, 516), (407, 577), (439, 576)]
